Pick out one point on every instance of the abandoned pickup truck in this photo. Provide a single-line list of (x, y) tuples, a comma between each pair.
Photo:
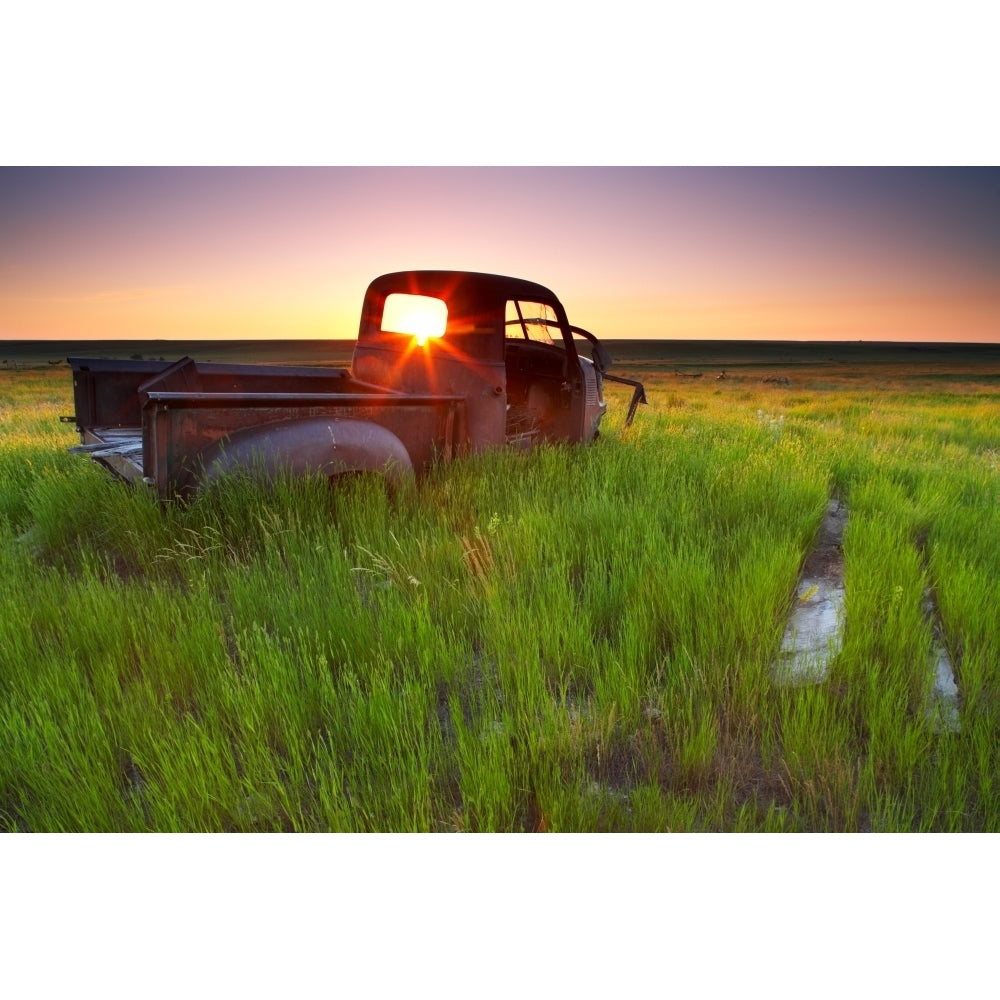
[(446, 362)]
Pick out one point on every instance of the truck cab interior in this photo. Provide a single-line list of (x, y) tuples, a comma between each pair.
[(541, 375)]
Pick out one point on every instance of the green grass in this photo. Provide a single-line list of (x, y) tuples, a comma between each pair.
[(574, 639)]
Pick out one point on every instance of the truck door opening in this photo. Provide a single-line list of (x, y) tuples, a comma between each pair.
[(542, 374)]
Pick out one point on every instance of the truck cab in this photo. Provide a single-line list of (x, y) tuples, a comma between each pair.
[(503, 344)]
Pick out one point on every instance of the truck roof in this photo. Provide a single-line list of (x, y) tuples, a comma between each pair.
[(466, 285)]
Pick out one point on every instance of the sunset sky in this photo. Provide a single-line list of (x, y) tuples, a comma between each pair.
[(733, 253)]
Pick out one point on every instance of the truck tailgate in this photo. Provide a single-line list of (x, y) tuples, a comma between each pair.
[(117, 448)]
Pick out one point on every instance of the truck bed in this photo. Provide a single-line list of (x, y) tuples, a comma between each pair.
[(109, 395), (158, 423)]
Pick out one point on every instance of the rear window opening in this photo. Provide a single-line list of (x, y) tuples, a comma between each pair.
[(421, 316)]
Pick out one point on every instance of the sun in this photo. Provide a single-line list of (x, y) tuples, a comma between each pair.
[(421, 316)]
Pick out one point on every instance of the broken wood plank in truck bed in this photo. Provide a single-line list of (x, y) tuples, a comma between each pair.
[(117, 448)]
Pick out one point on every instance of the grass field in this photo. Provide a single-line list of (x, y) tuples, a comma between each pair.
[(571, 640)]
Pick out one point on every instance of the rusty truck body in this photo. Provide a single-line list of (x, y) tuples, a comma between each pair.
[(446, 363)]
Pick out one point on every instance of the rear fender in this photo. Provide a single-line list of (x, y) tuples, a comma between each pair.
[(321, 445)]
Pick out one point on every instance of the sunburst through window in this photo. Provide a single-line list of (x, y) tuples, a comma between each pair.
[(421, 316)]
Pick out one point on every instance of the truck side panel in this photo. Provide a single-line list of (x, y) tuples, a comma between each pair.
[(440, 368), (182, 430), (328, 446)]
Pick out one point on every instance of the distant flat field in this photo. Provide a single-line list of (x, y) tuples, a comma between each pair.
[(28, 352), (815, 365), (837, 362)]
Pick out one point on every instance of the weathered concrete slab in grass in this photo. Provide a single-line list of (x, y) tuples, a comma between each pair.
[(942, 708), (814, 633)]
